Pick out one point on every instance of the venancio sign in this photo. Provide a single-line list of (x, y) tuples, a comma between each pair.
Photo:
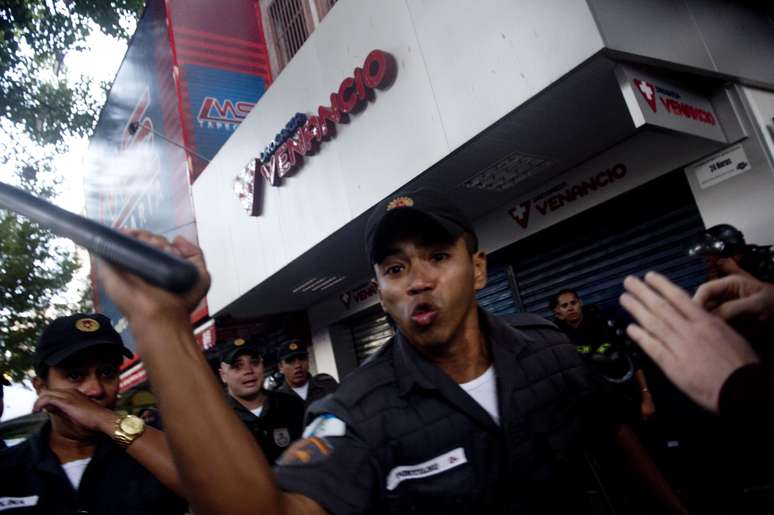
[(303, 136)]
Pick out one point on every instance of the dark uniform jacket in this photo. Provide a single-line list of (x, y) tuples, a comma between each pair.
[(112, 484), (399, 436), (281, 422), (319, 386)]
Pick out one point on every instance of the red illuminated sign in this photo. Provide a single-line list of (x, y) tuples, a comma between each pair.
[(296, 140)]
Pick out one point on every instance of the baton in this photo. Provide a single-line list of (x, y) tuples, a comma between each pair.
[(153, 265)]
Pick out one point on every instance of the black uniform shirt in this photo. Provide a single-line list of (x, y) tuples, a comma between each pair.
[(280, 424), (399, 436), (319, 386), (113, 483)]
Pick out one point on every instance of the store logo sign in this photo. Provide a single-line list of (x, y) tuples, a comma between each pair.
[(302, 136), (226, 113), (648, 92), (673, 103), (563, 194)]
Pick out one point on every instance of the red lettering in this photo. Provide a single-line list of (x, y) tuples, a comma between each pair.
[(555, 203), (347, 96), (296, 147), (542, 207), (360, 86), (269, 170), (602, 179), (329, 114), (283, 161), (619, 171), (375, 68)]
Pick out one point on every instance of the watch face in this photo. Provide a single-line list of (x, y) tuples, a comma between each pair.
[(132, 425)]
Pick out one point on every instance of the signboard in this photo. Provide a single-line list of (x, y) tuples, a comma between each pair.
[(655, 101), (720, 167), (303, 136)]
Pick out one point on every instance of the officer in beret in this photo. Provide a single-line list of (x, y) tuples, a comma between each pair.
[(86, 458), (294, 365), (274, 419)]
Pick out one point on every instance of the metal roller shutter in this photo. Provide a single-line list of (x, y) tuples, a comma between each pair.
[(497, 296), (647, 229), (370, 331)]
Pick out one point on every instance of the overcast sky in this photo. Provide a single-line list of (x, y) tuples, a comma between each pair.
[(107, 53)]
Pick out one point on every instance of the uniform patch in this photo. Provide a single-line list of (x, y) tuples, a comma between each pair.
[(11, 503), (326, 425), (282, 437), (87, 325), (442, 463), (306, 451)]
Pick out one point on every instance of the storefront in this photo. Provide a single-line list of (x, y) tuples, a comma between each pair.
[(583, 149)]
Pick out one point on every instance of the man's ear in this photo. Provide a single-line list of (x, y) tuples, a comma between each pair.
[(39, 384), (221, 371), (479, 270)]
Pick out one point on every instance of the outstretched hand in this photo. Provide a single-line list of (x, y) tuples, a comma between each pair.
[(738, 297), (137, 298), (697, 350)]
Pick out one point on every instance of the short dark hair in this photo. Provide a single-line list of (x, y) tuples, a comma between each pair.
[(554, 300)]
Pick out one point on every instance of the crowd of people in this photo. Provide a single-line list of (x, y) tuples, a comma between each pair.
[(461, 412)]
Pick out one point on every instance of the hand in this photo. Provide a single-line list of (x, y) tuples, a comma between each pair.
[(647, 407), (738, 297), (138, 299), (695, 349), (77, 408)]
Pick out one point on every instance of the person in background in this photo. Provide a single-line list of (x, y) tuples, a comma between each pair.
[(275, 419), (726, 252), (86, 458), (599, 340), (294, 365)]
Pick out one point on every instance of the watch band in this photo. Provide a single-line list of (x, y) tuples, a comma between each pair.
[(128, 428)]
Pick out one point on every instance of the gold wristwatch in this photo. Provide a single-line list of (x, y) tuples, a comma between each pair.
[(128, 429)]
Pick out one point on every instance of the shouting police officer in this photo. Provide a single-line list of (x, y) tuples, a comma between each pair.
[(294, 365), (275, 419), (458, 413), (86, 458)]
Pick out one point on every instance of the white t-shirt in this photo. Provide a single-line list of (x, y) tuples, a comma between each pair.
[(302, 391), (75, 470), (257, 411), (483, 389)]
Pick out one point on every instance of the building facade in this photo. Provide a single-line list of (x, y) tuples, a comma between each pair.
[(587, 140)]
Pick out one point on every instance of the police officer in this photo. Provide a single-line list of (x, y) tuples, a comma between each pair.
[(86, 458), (274, 419), (294, 365), (458, 413), (601, 341)]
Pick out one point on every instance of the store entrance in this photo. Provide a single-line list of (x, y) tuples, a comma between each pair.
[(647, 228)]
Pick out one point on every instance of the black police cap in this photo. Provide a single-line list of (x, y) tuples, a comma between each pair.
[(236, 347), (422, 202), (291, 348), (67, 335)]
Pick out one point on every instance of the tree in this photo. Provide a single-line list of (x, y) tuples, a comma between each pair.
[(36, 35), (40, 108)]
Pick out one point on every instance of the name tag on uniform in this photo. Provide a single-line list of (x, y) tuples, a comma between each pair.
[(10, 503), (431, 467)]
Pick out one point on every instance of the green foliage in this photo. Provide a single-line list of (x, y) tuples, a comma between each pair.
[(35, 267), (40, 108), (35, 35)]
